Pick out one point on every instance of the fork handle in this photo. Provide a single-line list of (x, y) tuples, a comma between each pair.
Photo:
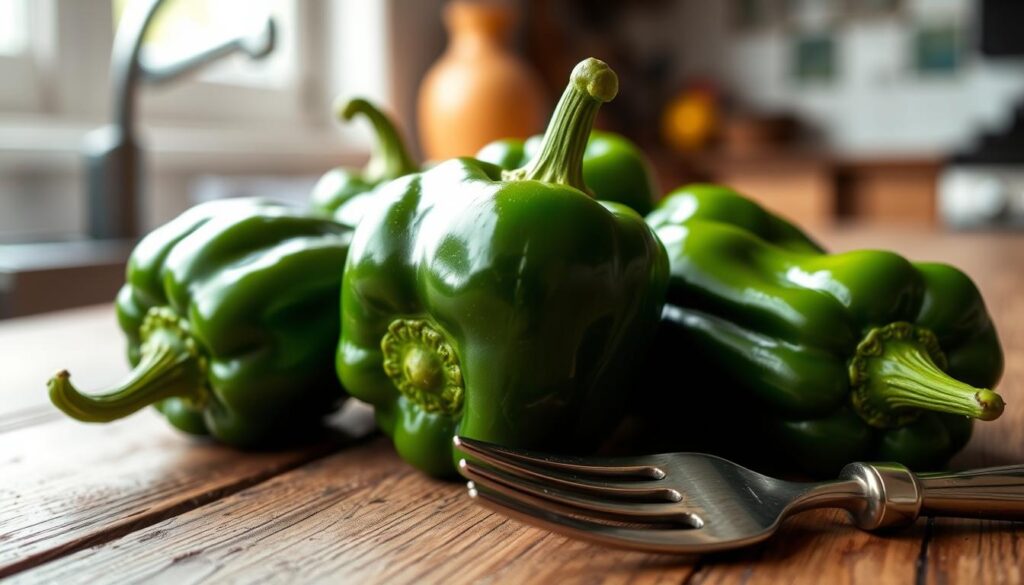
[(994, 492), (892, 495)]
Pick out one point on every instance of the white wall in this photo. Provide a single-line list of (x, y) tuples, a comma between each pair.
[(876, 104)]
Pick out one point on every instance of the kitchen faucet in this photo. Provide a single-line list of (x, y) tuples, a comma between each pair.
[(114, 169)]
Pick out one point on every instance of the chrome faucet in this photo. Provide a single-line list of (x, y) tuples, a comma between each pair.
[(115, 177)]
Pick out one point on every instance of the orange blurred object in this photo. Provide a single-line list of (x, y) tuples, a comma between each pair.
[(690, 120), (478, 91)]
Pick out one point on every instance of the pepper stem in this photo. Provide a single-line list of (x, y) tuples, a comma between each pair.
[(560, 158), (170, 365), (898, 371), (390, 158)]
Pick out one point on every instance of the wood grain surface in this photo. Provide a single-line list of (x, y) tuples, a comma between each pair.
[(355, 517), (67, 485), (34, 348), (136, 502)]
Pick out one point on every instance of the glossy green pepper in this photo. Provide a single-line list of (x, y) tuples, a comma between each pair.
[(502, 305), (613, 167), (343, 193), (809, 359), (231, 315)]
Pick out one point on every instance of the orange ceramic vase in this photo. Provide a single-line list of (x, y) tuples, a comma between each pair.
[(478, 91)]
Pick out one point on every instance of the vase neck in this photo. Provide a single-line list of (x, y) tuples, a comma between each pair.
[(473, 26)]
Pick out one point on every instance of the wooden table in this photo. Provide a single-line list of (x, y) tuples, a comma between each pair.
[(133, 500)]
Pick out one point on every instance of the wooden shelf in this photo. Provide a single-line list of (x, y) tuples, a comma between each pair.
[(817, 188)]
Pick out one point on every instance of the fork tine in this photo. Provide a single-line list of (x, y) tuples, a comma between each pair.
[(545, 495), (634, 467), (613, 488), (676, 541)]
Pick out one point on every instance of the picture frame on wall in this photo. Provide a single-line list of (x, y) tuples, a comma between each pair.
[(813, 14), (753, 15), (936, 49), (814, 58), (874, 8)]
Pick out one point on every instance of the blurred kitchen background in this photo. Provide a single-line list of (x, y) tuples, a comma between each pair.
[(896, 112)]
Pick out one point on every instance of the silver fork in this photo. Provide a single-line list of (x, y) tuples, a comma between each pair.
[(697, 503)]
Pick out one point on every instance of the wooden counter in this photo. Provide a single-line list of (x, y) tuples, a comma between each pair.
[(134, 501)]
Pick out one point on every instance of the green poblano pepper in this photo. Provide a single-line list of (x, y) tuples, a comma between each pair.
[(231, 315), (809, 360), (613, 167), (502, 305), (344, 193)]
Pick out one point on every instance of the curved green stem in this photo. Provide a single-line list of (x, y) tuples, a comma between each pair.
[(560, 158), (898, 371), (170, 365), (390, 158)]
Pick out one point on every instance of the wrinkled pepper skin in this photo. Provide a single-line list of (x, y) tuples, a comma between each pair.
[(613, 167), (504, 306), (231, 316), (806, 360), (344, 193)]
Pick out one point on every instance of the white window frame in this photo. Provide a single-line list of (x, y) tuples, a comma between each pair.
[(201, 99), (70, 42), (23, 74), (185, 131)]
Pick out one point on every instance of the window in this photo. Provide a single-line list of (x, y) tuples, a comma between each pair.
[(272, 89), (13, 24), (17, 64), (186, 26), (235, 119), (55, 57)]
